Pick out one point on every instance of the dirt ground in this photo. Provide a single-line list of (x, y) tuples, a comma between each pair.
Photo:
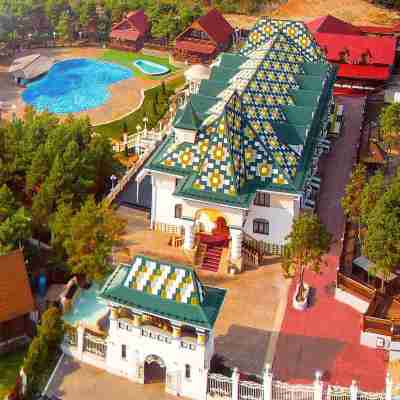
[(359, 12)]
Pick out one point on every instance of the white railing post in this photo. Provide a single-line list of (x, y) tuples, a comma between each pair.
[(318, 386), (80, 331), (267, 382), (235, 384), (388, 387), (353, 390), (204, 385)]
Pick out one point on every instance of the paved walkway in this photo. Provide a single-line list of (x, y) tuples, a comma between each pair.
[(326, 337)]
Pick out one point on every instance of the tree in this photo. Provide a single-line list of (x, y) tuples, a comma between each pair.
[(307, 243), (51, 328), (93, 232), (382, 242), (351, 202), (389, 122), (64, 26), (370, 194)]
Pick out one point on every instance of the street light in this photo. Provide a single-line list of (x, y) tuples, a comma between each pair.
[(145, 120), (113, 179)]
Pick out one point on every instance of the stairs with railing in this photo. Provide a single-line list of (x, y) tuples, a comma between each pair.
[(212, 258)]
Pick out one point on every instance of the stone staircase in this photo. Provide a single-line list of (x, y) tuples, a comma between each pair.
[(212, 258)]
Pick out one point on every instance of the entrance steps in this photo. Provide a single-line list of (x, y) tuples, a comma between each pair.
[(212, 258)]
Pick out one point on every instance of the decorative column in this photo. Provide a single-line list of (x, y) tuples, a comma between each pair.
[(388, 387), (189, 235), (353, 390), (318, 386), (176, 331), (267, 382), (236, 244), (80, 331), (137, 320), (235, 383), (201, 338), (113, 319)]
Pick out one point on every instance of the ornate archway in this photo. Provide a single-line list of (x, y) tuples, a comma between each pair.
[(154, 369), (212, 227)]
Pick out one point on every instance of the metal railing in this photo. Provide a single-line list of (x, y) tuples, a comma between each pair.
[(219, 385), (286, 391), (250, 390)]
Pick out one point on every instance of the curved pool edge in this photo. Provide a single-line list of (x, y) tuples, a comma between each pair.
[(165, 71)]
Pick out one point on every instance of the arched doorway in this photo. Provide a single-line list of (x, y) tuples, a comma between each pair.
[(212, 227), (154, 369)]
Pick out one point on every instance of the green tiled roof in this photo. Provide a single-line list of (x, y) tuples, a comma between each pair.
[(261, 112), (188, 119), (164, 289)]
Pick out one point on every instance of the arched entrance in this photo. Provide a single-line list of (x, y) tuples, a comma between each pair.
[(212, 227), (154, 369)]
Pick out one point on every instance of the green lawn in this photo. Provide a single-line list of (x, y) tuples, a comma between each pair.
[(10, 365), (153, 113), (126, 59)]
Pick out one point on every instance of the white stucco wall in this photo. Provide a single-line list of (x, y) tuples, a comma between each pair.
[(283, 208)]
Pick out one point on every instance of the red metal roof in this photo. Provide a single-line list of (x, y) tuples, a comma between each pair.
[(126, 34), (386, 30), (381, 50), (330, 24), (216, 26), (370, 72), (195, 47), (134, 25)]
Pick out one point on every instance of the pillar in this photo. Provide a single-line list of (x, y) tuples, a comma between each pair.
[(236, 244), (137, 320), (176, 331), (80, 330), (189, 235), (353, 390), (318, 386), (113, 319), (201, 338), (267, 382), (388, 387), (235, 384)]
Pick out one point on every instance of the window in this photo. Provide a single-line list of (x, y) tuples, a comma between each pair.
[(178, 210), (262, 199), (187, 371), (261, 226), (123, 351)]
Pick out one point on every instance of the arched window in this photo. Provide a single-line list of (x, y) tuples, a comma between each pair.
[(261, 226), (178, 210)]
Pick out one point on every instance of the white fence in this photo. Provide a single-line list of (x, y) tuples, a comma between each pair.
[(233, 388)]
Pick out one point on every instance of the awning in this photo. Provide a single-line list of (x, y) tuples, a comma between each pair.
[(195, 47)]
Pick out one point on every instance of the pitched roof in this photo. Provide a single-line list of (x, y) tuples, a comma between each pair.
[(330, 24), (138, 26), (280, 79), (217, 27), (381, 50), (15, 293), (167, 290)]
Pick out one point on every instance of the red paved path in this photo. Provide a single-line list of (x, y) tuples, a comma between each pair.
[(326, 336)]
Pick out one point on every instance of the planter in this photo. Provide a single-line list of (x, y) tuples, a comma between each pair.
[(301, 305)]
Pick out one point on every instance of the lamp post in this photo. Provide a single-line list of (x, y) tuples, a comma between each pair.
[(113, 179), (145, 120)]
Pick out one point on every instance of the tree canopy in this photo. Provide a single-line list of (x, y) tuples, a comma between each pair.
[(389, 122)]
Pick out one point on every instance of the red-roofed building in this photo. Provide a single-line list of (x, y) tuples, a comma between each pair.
[(365, 61), (204, 39), (131, 32)]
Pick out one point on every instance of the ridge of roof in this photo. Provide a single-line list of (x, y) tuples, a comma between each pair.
[(331, 24)]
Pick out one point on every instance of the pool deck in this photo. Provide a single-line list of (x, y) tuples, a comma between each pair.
[(126, 96)]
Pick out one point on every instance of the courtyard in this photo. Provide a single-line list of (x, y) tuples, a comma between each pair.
[(125, 96)]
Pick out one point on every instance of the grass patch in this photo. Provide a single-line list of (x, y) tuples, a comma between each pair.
[(10, 365), (154, 107), (126, 59)]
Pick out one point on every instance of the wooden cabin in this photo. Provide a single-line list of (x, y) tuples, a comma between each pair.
[(204, 39), (17, 308), (130, 33)]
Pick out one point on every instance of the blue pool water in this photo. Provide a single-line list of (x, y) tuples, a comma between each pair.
[(74, 85), (86, 308), (150, 68)]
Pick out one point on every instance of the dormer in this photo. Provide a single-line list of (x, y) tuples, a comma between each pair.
[(186, 125)]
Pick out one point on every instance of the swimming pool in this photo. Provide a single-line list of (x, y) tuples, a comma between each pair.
[(150, 68), (74, 85), (86, 308)]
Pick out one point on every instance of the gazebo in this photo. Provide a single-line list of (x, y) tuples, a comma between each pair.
[(195, 74)]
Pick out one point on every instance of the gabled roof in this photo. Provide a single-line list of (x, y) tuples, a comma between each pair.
[(381, 50), (330, 24), (261, 112), (188, 119), (166, 290), (137, 23), (215, 25), (15, 292)]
